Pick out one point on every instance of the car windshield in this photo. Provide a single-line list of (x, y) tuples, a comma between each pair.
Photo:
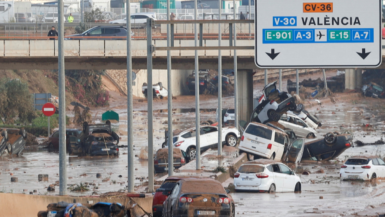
[(270, 89), (88, 30), (357, 162), (259, 131), (167, 185), (251, 169)]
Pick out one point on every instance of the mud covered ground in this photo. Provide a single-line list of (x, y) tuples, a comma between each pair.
[(363, 117)]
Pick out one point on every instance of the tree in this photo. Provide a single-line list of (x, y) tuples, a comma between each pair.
[(93, 15), (15, 101)]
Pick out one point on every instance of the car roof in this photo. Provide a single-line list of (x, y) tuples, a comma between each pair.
[(261, 162), (177, 178), (266, 126), (190, 129)]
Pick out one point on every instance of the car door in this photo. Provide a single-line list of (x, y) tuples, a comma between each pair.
[(294, 152), (96, 32), (382, 165), (279, 145), (303, 128), (288, 177), (173, 199), (278, 178), (55, 139), (109, 32), (210, 136), (141, 19)]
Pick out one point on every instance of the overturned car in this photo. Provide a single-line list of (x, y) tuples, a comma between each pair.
[(272, 104), (12, 141), (95, 139), (161, 159)]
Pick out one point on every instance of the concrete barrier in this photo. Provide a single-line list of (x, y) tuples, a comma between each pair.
[(16, 47), (1, 48), (92, 48), (41, 48), (116, 48)]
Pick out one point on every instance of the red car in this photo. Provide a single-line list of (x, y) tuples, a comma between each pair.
[(163, 192)]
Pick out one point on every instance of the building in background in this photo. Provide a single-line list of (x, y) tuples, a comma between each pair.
[(14, 11)]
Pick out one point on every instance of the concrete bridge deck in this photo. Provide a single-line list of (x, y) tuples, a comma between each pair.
[(111, 54)]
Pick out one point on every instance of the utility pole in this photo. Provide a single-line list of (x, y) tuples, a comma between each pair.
[(219, 85), (235, 71), (130, 142), (62, 106), (169, 99), (150, 108), (197, 107)]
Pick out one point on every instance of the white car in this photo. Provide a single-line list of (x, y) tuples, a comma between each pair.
[(310, 119), (186, 140), (362, 168), (139, 18), (266, 176), (52, 18), (300, 128), (229, 115), (158, 90), (272, 104)]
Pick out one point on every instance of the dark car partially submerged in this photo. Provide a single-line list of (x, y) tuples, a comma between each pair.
[(95, 139), (161, 159), (327, 148), (198, 197)]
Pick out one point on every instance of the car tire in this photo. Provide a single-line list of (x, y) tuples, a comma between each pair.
[(163, 144), (310, 136), (336, 133), (297, 187), (330, 138), (191, 153), (273, 115), (272, 189), (161, 97), (231, 140), (272, 156), (374, 177), (250, 157), (9, 148), (233, 211)]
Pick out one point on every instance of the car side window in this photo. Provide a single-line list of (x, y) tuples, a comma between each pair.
[(186, 135), (97, 31), (275, 168), (381, 162), (279, 138), (375, 162), (111, 30), (270, 168), (284, 169), (300, 123)]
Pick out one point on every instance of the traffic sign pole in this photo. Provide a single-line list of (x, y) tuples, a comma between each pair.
[(310, 33)]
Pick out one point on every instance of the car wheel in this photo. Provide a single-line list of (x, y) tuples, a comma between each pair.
[(272, 156), (233, 211), (9, 148), (374, 177), (231, 140), (250, 157), (163, 144), (297, 187), (191, 152), (310, 136), (336, 133), (273, 115), (330, 138), (272, 189)]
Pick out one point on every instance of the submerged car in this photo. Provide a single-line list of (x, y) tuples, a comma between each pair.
[(3, 140), (198, 197), (186, 140), (327, 148), (272, 104), (373, 90), (161, 159), (53, 140), (96, 139), (363, 168), (203, 81), (309, 119), (266, 176)]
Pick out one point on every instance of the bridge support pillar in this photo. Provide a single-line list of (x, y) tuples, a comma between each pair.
[(353, 79), (245, 94)]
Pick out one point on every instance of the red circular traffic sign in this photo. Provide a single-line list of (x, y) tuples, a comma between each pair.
[(48, 109)]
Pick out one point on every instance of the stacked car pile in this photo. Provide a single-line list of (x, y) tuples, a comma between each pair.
[(274, 128), (12, 141)]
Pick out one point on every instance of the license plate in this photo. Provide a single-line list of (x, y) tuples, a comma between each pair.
[(105, 149), (352, 177), (206, 212), (247, 179)]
